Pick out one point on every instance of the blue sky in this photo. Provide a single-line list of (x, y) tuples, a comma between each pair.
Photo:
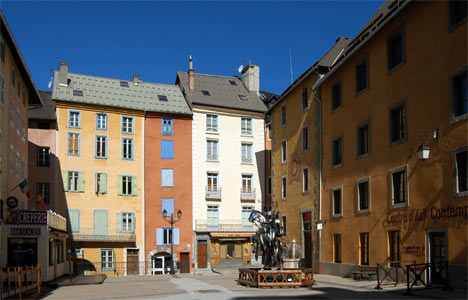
[(154, 39)]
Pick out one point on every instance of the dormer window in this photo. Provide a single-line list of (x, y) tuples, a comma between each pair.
[(232, 82), (162, 97), (77, 93), (124, 84), (243, 97), (205, 93)]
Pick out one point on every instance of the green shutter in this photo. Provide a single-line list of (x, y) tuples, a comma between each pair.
[(65, 180), (119, 185), (103, 187), (134, 185), (81, 181), (119, 222), (133, 222), (96, 183)]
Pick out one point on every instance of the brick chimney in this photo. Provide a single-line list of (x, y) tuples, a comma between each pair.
[(63, 73), (191, 76), (251, 78)]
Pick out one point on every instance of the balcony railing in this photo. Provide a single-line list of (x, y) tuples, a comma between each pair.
[(224, 226), (213, 193), (56, 221), (212, 157), (103, 235), (247, 194), (246, 160)]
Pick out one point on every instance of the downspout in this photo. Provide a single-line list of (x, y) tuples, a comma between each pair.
[(319, 211), (143, 192)]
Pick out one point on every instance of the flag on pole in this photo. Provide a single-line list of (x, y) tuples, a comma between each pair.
[(24, 187), (40, 199)]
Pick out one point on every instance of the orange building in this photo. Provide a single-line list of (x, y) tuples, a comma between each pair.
[(168, 184), (400, 87)]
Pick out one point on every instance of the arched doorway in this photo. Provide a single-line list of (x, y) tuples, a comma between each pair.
[(160, 262)]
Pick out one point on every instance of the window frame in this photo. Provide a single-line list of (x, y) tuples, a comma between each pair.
[(358, 64), (358, 195), (124, 221), (97, 140), (453, 118), (334, 214), (249, 159), (210, 128), (283, 115), (364, 249), (106, 262), (284, 183), (129, 184), (247, 132), (406, 192), (97, 190), (334, 155), (77, 133), (305, 181), (247, 177), (45, 196), (456, 191), (42, 160), (212, 157), (173, 178), (337, 248), (305, 146), (124, 117), (305, 98), (392, 234), (359, 140), (400, 31), (393, 107), (212, 175), (132, 148), (106, 121), (70, 112), (76, 181), (169, 125), (284, 156)]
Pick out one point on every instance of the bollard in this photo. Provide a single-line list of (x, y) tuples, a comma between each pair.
[(408, 289)]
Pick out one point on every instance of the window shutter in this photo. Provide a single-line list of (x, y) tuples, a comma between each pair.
[(134, 185), (81, 181), (159, 236), (96, 188), (119, 222), (176, 236), (133, 222), (103, 187), (167, 149), (65, 180), (119, 185), (168, 205), (74, 216)]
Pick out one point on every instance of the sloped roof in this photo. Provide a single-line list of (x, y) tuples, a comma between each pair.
[(109, 92), (222, 92), (47, 111)]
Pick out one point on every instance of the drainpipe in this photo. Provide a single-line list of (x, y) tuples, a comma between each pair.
[(318, 213), (143, 193)]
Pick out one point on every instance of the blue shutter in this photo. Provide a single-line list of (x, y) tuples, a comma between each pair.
[(159, 236), (168, 205), (176, 236), (167, 177), (167, 149)]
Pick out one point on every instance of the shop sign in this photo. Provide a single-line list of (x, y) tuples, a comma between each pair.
[(25, 231), (12, 202), (413, 249), (402, 218)]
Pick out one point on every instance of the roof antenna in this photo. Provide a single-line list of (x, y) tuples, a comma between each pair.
[(290, 65), (51, 71)]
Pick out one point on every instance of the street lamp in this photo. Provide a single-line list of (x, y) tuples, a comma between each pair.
[(172, 222)]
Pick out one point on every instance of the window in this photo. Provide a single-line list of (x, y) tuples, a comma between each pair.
[(101, 183), (246, 211), (246, 155), (337, 201), (212, 216), (127, 222), (127, 125), (243, 97), (124, 83), (364, 247), (395, 50), (269, 185), (167, 149), (205, 93), (107, 259), (167, 236), (74, 217), (305, 100), (101, 146), (167, 177), (101, 121), (77, 93), (362, 79), (74, 119), (247, 183), (43, 156), (2, 88), (399, 190), (168, 205), (337, 248), (397, 123), (461, 177), (283, 115), (284, 224), (73, 143), (363, 195), (305, 138), (44, 190), (283, 188), (162, 97), (127, 149), (232, 82), (363, 140), (167, 127), (283, 152), (336, 152), (459, 95), (212, 123), (305, 180), (246, 126), (73, 181), (128, 185), (212, 150), (457, 13), (394, 243), (212, 181)]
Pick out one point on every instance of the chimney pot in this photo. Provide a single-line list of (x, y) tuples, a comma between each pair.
[(63, 73), (191, 75)]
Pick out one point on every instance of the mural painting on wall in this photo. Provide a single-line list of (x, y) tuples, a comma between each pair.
[(454, 215)]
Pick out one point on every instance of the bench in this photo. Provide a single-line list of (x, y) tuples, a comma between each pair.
[(365, 272)]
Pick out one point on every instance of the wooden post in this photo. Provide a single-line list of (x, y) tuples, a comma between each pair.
[(20, 271), (38, 279)]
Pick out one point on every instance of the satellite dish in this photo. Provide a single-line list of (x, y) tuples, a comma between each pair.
[(241, 67)]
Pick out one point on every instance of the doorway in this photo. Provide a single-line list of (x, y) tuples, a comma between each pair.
[(23, 251), (438, 255), (201, 254), (184, 262), (132, 262), (307, 227)]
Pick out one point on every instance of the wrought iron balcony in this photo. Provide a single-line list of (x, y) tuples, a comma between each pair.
[(213, 193), (212, 157), (247, 194), (224, 226), (247, 160), (103, 235)]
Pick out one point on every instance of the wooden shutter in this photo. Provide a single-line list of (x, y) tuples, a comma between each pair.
[(134, 185), (65, 180), (159, 236), (74, 216), (81, 182), (132, 217), (119, 185), (175, 236), (168, 205), (167, 149), (119, 222), (103, 187)]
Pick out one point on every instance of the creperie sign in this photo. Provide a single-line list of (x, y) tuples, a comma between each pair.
[(32, 217)]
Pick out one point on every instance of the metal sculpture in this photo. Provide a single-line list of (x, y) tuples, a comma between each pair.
[(265, 242)]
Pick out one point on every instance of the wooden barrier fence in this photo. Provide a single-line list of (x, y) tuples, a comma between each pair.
[(16, 280)]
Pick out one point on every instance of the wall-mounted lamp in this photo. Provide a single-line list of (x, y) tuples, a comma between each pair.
[(424, 150)]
